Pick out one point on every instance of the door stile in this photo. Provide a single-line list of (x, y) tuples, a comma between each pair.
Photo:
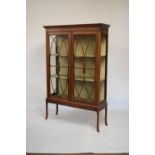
[(71, 67)]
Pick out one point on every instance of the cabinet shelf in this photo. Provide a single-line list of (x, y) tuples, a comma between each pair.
[(77, 78), (91, 68), (86, 56), (59, 66), (76, 56), (60, 55), (61, 76)]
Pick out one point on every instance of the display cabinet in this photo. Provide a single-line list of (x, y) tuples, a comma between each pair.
[(76, 65)]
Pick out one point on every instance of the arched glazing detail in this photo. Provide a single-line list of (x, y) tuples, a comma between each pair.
[(59, 65), (84, 46), (84, 67)]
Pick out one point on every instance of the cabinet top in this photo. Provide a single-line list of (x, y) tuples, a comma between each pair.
[(101, 26)]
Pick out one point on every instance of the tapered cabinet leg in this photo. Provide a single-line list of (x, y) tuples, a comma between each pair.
[(46, 110), (106, 111), (56, 109), (98, 115)]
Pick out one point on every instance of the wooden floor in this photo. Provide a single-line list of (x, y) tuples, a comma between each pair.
[(77, 154)]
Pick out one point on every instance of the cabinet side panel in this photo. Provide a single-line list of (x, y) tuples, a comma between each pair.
[(103, 67), (106, 67)]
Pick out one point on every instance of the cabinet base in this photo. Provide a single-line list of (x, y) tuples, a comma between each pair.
[(96, 108)]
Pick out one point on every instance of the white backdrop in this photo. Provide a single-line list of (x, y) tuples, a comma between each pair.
[(55, 12)]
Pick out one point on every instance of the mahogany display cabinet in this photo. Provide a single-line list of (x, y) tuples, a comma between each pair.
[(76, 65)]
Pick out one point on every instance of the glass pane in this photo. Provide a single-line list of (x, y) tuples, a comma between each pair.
[(59, 65), (102, 67), (84, 67)]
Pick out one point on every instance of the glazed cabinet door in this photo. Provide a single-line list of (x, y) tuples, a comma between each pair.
[(57, 66), (84, 67)]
